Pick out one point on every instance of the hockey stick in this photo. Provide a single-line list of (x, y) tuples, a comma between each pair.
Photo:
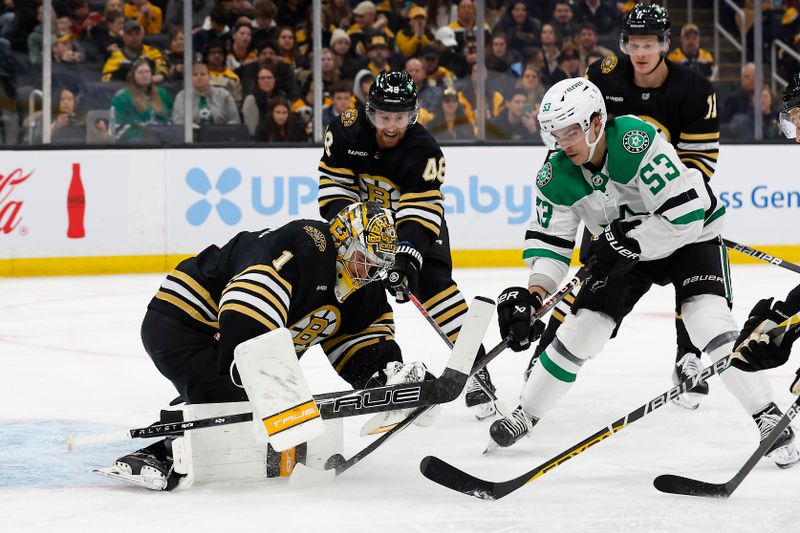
[(453, 478), (499, 405), (693, 487), (304, 476), (446, 388), (763, 256)]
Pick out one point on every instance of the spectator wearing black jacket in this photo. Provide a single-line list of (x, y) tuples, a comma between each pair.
[(599, 13), (522, 30), (280, 125)]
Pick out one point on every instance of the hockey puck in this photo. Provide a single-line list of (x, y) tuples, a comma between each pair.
[(334, 461)]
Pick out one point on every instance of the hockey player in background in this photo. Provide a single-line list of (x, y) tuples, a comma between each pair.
[(790, 116), (682, 104), (387, 157), (313, 278), (656, 221)]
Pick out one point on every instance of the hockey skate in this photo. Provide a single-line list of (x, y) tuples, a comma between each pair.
[(477, 400), (507, 431), (783, 451), (686, 368), (144, 469)]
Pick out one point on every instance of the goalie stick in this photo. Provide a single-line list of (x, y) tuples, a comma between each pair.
[(693, 487), (763, 256), (453, 478), (446, 388), (304, 476)]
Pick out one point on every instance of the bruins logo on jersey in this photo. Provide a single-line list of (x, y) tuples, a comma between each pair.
[(544, 175), (317, 236), (349, 116), (635, 141), (608, 64)]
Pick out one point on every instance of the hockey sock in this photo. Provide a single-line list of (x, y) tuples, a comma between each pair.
[(751, 388), (549, 380)]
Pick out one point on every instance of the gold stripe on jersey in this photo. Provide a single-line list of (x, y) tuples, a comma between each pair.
[(271, 272), (336, 170), (698, 165), (186, 308), (699, 136), (558, 315), (196, 287), (248, 311), (422, 222), (262, 291), (328, 182), (710, 154), (425, 195), (439, 297), (659, 125), (340, 364), (383, 329)]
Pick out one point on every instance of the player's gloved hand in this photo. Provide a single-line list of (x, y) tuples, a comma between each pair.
[(515, 307), (614, 253), (405, 272), (754, 344)]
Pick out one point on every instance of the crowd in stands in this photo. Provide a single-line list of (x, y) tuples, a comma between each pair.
[(118, 65)]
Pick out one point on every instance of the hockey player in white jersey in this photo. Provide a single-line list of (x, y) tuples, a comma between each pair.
[(654, 221)]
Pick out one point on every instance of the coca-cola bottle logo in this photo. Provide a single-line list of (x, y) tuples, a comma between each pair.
[(10, 208)]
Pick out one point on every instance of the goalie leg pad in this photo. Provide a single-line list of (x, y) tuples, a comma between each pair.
[(277, 389)]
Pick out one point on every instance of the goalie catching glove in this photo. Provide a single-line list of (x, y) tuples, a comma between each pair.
[(614, 253), (404, 275), (515, 307), (757, 349)]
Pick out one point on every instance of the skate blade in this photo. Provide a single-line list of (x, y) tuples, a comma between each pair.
[(688, 400), (490, 448), (111, 473)]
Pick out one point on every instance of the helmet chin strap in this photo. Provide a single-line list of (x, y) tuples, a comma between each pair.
[(660, 60), (593, 145)]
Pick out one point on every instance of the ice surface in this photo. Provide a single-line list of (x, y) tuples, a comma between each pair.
[(71, 361)]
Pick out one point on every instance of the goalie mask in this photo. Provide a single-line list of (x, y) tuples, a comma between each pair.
[(366, 242), (568, 102), (790, 115)]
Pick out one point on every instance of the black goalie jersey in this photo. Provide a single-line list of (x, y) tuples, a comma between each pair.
[(260, 281), (684, 108), (405, 179)]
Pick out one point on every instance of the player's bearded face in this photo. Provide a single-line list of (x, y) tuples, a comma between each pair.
[(644, 51), (390, 127)]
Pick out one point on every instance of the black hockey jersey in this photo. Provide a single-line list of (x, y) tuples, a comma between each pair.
[(261, 281), (406, 178), (684, 108)]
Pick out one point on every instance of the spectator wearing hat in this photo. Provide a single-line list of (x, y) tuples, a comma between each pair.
[(564, 20), (437, 74), (515, 123), (522, 30), (450, 121), (367, 25), (450, 57), (587, 43), (599, 12), (361, 84), (221, 75), (416, 35), (466, 24), (569, 64), (210, 105), (428, 94), (378, 52), (343, 55), (265, 29), (119, 62), (148, 15), (690, 54)]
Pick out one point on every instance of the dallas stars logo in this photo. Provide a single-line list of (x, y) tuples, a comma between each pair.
[(635, 141), (544, 175)]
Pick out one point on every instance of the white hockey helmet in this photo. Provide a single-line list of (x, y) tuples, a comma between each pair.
[(568, 102)]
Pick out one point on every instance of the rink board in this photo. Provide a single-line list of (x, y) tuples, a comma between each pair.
[(147, 209)]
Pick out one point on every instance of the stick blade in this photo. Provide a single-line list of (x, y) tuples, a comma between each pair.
[(451, 477), (304, 476), (690, 487)]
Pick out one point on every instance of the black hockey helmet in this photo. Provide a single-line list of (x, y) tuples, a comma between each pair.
[(394, 92), (645, 20), (791, 96)]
